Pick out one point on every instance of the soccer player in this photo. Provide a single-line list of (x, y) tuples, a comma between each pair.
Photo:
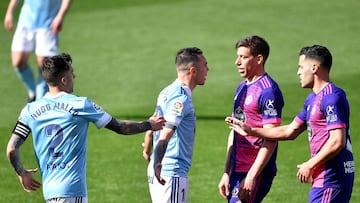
[(59, 125), (250, 165), (37, 31), (325, 114), (173, 145)]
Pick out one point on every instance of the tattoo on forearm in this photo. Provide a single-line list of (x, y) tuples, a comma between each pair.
[(160, 151), (132, 127), (128, 127), (14, 155)]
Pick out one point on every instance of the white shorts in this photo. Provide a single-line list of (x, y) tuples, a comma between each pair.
[(42, 41), (175, 190), (68, 200)]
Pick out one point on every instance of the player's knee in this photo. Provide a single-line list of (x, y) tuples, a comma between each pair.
[(19, 60)]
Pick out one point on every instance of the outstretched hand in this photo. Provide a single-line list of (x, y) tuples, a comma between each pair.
[(28, 182), (157, 122), (237, 125)]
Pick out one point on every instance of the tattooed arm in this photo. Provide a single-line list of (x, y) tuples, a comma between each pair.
[(133, 127), (25, 176)]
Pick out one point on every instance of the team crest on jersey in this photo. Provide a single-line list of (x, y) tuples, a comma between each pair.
[(178, 106), (270, 108), (239, 114), (97, 107), (330, 114)]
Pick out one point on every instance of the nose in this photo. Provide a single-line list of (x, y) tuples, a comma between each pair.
[(237, 61)]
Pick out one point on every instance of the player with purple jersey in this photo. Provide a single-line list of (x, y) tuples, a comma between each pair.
[(326, 115), (251, 161), (323, 112)]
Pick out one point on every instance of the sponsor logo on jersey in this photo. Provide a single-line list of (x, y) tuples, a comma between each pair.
[(56, 166), (349, 167), (270, 108), (239, 114), (178, 106), (330, 114)]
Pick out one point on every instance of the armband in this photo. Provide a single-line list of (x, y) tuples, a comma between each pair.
[(170, 125), (21, 130)]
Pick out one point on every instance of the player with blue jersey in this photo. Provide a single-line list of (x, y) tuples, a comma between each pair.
[(37, 30), (59, 124), (173, 145), (250, 165), (326, 115)]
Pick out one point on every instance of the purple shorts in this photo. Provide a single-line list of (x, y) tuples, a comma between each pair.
[(330, 194), (262, 187)]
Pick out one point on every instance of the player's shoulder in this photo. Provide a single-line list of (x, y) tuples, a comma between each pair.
[(332, 89), (175, 89), (333, 94), (269, 86), (267, 82), (72, 98)]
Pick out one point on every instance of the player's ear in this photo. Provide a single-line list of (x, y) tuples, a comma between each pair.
[(315, 67), (192, 69), (260, 59), (62, 80)]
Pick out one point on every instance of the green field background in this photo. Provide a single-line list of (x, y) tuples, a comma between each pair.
[(123, 55)]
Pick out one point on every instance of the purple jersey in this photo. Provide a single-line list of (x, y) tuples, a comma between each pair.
[(323, 112), (256, 104)]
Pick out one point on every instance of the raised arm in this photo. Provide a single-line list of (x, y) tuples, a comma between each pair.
[(285, 132), (126, 127)]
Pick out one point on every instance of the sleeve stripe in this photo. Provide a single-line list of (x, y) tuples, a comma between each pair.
[(21, 129)]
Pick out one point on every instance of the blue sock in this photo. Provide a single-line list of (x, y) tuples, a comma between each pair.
[(41, 86), (26, 76)]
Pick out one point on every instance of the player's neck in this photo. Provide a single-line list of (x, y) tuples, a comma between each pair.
[(320, 81), (187, 81), (254, 78), (55, 90), (319, 85)]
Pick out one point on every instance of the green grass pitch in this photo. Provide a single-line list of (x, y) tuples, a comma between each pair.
[(123, 55)]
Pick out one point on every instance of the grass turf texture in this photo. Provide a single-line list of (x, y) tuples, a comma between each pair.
[(123, 55)]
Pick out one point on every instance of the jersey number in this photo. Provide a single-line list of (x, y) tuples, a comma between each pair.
[(56, 132)]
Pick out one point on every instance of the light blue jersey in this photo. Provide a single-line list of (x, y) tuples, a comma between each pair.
[(175, 104), (37, 14), (59, 127)]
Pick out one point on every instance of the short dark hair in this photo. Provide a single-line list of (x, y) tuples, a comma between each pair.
[(257, 45), (187, 57), (55, 67), (319, 53)]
